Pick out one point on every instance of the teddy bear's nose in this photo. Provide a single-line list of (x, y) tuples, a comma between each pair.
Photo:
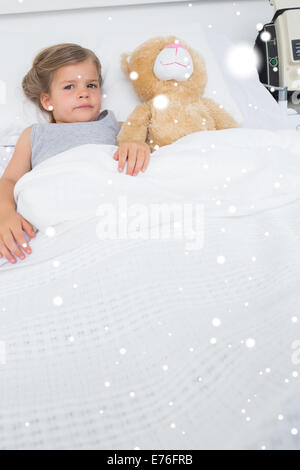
[(175, 46)]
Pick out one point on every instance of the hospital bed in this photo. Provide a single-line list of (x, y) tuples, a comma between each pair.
[(133, 343)]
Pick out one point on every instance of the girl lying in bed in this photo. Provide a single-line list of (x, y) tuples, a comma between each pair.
[(65, 80)]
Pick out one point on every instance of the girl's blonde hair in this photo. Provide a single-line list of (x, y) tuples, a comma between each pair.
[(39, 78)]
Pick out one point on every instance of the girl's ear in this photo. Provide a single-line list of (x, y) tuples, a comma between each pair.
[(125, 63)]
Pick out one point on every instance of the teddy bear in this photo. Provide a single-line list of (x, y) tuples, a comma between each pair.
[(170, 78)]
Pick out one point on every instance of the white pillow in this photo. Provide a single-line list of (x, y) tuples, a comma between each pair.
[(117, 91), (16, 111)]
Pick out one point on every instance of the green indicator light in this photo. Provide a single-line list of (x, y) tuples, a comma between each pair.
[(273, 61)]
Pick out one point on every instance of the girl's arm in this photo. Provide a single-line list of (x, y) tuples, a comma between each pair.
[(13, 224), (20, 162)]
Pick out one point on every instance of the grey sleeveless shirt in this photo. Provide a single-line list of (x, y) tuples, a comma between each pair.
[(49, 139)]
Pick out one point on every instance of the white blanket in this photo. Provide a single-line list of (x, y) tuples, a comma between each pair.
[(251, 169), (157, 343)]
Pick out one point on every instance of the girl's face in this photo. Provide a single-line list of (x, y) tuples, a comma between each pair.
[(74, 86)]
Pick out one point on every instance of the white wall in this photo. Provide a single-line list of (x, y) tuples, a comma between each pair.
[(58, 26), (21, 6)]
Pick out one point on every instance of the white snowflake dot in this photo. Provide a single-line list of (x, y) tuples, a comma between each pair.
[(265, 36), (134, 75), (232, 209), (250, 343), (160, 101), (50, 231), (57, 300)]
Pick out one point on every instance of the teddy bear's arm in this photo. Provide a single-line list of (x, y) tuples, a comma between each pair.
[(137, 130), (222, 119)]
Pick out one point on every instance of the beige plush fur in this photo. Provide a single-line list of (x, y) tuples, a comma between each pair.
[(186, 103)]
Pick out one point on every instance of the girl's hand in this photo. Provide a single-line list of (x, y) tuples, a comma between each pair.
[(138, 157), (12, 225)]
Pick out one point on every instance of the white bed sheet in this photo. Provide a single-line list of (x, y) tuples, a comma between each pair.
[(125, 359)]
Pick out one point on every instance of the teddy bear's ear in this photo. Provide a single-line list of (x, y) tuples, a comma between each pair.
[(125, 63)]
